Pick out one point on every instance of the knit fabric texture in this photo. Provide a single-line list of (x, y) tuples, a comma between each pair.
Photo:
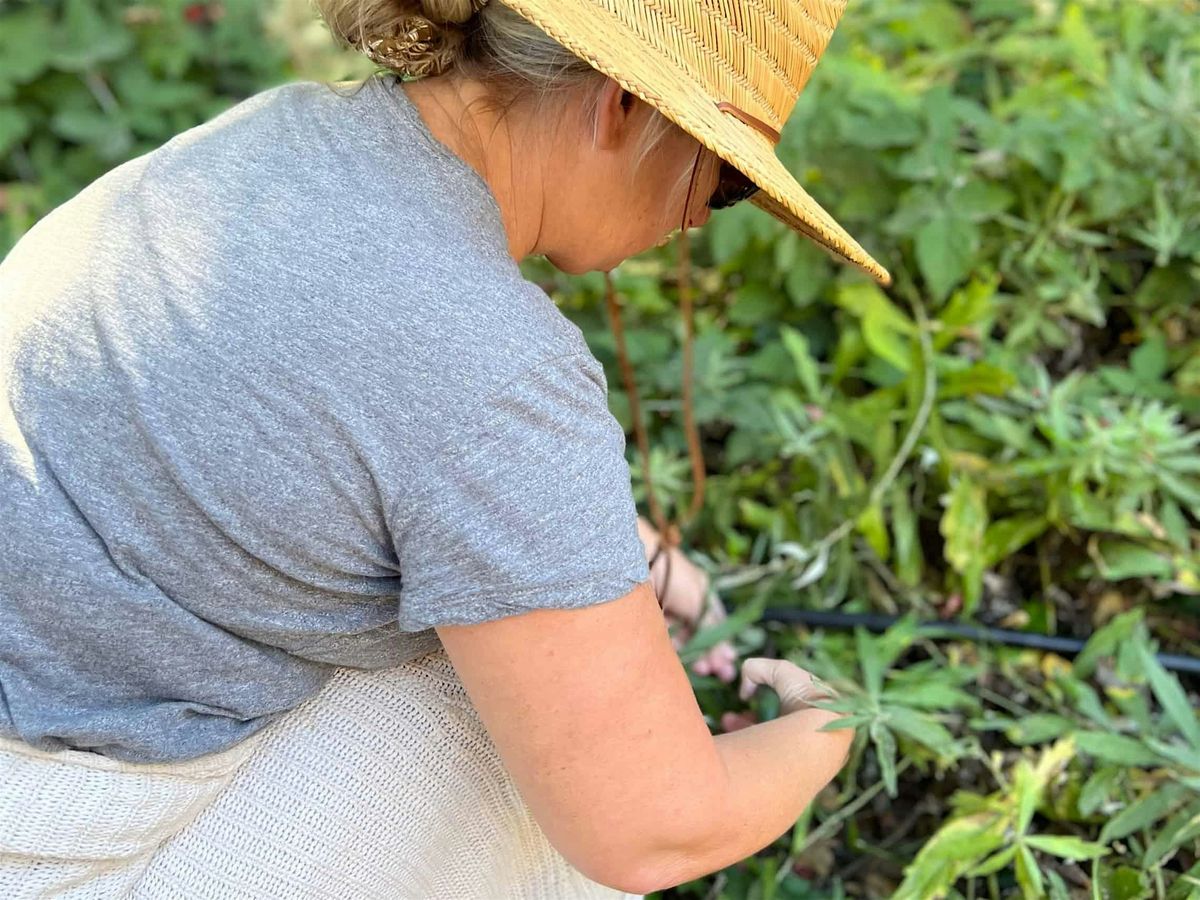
[(383, 785)]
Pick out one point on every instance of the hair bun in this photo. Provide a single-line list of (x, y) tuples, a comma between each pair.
[(419, 47), (425, 43)]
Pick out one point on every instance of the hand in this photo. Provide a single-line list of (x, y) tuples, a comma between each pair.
[(689, 604), (795, 686)]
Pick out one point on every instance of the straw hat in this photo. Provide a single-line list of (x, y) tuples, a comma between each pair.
[(727, 72)]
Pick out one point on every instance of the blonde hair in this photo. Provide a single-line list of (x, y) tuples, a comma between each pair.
[(475, 39)]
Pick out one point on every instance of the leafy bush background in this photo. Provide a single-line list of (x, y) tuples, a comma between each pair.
[(1008, 436)]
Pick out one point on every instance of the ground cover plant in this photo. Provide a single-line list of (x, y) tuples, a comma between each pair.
[(1007, 437)]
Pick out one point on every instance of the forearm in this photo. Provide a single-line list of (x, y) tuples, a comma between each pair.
[(774, 771)]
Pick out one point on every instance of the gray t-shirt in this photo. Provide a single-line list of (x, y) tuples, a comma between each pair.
[(273, 399)]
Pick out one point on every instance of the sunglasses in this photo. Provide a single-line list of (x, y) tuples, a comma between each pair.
[(732, 187)]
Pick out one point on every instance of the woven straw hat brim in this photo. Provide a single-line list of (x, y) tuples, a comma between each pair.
[(613, 46)]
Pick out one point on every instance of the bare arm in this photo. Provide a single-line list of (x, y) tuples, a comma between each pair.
[(775, 770), (595, 719)]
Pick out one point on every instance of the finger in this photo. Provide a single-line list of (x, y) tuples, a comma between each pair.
[(735, 721), (755, 671), (747, 687), (723, 652)]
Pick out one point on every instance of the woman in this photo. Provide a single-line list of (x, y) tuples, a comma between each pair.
[(320, 573)]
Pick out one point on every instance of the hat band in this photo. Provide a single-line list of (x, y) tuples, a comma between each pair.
[(752, 121)]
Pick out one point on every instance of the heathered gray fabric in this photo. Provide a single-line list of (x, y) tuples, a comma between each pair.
[(274, 398)]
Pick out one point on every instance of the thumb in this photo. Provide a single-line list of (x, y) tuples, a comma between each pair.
[(755, 671)]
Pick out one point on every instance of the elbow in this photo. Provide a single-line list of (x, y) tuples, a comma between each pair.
[(664, 860), (627, 875), (637, 879), (641, 866)]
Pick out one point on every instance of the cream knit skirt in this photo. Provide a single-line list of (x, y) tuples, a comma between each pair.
[(384, 785)]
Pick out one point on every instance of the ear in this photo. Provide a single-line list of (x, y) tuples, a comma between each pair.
[(613, 121)]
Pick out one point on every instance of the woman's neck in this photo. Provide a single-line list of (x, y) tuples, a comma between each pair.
[(456, 112)]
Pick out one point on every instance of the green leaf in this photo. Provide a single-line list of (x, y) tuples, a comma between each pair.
[(963, 524), (924, 730), (1029, 876), (1185, 758), (907, 556), (1170, 694), (1038, 728), (871, 663), (945, 251), (1140, 814), (108, 136), (1172, 834), (885, 750), (884, 341), (886, 330), (979, 200), (806, 366), (1029, 794), (1099, 788), (967, 307), (1115, 748), (1005, 537), (90, 38), (755, 304), (1066, 846), (953, 850), (15, 126), (1087, 49), (1126, 883), (1105, 641), (1124, 559), (1149, 361), (930, 695), (980, 378), (994, 863), (870, 525), (25, 44)]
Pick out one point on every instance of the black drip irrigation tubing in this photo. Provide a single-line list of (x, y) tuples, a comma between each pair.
[(982, 634)]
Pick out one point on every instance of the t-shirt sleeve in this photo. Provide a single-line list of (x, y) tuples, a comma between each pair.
[(526, 505)]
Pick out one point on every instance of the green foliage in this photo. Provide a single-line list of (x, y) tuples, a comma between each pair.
[(1087, 769), (88, 84), (1009, 434)]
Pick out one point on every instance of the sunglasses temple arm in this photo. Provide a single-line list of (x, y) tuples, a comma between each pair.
[(687, 203)]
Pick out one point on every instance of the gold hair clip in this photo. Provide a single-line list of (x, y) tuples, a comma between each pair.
[(417, 49)]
